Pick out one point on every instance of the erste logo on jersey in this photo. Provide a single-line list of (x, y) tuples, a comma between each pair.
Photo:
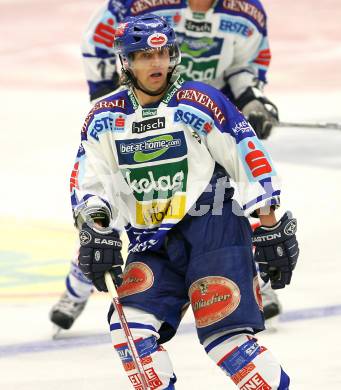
[(157, 40), (196, 119), (100, 106), (107, 121), (235, 27)]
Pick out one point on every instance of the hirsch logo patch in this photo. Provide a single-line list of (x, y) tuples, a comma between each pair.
[(213, 298)]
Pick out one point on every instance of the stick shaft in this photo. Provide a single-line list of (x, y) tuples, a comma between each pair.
[(125, 327), (317, 125)]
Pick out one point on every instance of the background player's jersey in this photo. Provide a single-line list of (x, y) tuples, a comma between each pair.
[(226, 47), (149, 166)]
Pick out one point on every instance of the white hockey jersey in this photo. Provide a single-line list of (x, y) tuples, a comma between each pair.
[(149, 165)]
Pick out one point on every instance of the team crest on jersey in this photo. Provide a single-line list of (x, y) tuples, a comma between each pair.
[(213, 298), (137, 277)]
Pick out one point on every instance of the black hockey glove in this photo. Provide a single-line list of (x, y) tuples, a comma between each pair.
[(276, 251), (261, 113), (99, 253)]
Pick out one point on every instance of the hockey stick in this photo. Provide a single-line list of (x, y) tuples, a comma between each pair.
[(125, 327), (327, 125)]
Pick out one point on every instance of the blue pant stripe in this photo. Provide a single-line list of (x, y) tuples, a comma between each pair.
[(221, 339), (133, 325)]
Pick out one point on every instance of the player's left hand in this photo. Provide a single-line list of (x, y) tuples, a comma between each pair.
[(99, 253), (276, 251), (261, 116)]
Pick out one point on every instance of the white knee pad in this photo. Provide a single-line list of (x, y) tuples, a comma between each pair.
[(249, 365), (78, 287), (144, 328)]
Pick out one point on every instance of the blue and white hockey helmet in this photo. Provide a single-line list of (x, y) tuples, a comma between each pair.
[(145, 32)]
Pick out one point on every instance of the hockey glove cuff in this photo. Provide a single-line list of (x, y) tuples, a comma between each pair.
[(276, 251), (100, 252)]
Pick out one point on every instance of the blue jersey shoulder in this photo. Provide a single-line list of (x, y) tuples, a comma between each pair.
[(138, 7), (199, 100), (108, 114), (198, 96), (119, 8), (251, 10)]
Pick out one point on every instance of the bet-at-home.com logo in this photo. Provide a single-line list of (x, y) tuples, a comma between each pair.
[(158, 181), (204, 70), (143, 150)]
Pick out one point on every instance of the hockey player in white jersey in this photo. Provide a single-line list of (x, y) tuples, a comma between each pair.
[(223, 43), (176, 165)]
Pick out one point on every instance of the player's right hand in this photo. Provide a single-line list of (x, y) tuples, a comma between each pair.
[(99, 253), (276, 251)]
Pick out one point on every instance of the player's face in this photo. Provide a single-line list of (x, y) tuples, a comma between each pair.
[(150, 67)]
